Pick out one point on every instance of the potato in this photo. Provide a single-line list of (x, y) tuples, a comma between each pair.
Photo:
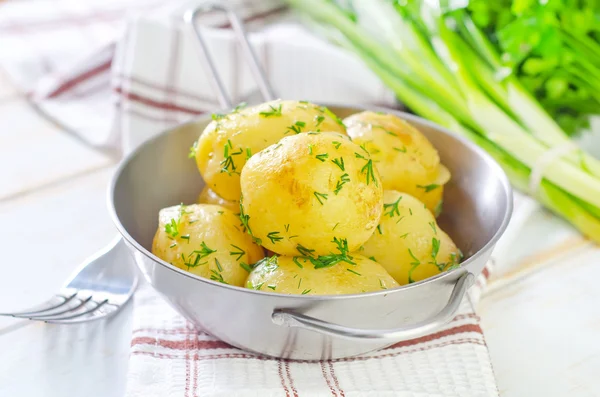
[(310, 192), (208, 196), (408, 242), (297, 275), (405, 159), (230, 140), (205, 240)]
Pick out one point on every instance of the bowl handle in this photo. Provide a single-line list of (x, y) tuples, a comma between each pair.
[(288, 318)]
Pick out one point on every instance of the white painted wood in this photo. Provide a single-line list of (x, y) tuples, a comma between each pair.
[(542, 330), (36, 153)]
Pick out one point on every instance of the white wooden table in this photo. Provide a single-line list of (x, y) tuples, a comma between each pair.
[(541, 315)]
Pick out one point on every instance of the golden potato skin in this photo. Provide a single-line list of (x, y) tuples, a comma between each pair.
[(406, 160), (283, 274), (206, 241), (309, 188), (404, 241), (228, 141), (208, 196)]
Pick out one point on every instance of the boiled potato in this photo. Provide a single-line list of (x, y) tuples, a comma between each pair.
[(405, 159), (298, 275), (308, 193), (205, 240), (208, 196), (408, 242), (230, 140)]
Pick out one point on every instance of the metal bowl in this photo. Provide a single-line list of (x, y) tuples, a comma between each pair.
[(477, 208)]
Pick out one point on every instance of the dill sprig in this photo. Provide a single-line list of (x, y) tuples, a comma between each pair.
[(319, 119), (296, 127), (216, 276), (428, 188), (320, 197), (172, 228), (245, 266), (193, 150), (352, 271), (306, 291), (240, 252), (432, 224), (274, 237), (416, 262), (370, 174), (304, 251), (322, 157), (337, 144), (403, 150), (343, 180), (339, 162), (246, 223), (393, 208), (274, 112), (297, 262)]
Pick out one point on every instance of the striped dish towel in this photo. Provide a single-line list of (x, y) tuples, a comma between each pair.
[(169, 357)]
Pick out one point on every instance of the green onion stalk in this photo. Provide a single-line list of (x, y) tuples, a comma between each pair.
[(444, 68)]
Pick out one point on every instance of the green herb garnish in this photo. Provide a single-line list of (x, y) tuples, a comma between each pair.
[(322, 157), (320, 197), (352, 271), (343, 180), (296, 127), (193, 150), (393, 208), (274, 237), (339, 162), (240, 252), (274, 112), (428, 188)]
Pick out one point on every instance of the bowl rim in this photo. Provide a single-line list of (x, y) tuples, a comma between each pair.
[(499, 173)]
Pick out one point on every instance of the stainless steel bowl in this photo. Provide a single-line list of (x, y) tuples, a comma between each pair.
[(477, 208)]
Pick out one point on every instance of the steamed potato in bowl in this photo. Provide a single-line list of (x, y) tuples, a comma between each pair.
[(308, 190), (300, 275), (208, 196), (231, 139), (205, 240), (404, 157), (408, 242)]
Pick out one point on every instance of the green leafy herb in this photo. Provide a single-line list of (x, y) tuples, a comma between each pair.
[(193, 150), (304, 251), (438, 208), (403, 150), (172, 228), (320, 197), (246, 267), (337, 145), (248, 153), (372, 258), (218, 265), (271, 287), (322, 157), (370, 175), (404, 235), (173, 244), (352, 271), (296, 127), (379, 229), (218, 116), (432, 225), (216, 276), (336, 225), (257, 286), (339, 162), (332, 115), (363, 146), (240, 252), (392, 208), (299, 282), (274, 237), (310, 148), (320, 119), (428, 188), (246, 223), (306, 291), (343, 180), (392, 133), (274, 112), (297, 262), (186, 237), (416, 262)]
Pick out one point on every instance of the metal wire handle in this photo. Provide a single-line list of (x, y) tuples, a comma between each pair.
[(190, 17)]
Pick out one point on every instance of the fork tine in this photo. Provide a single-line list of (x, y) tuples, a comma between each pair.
[(27, 313), (68, 310), (59, 318)]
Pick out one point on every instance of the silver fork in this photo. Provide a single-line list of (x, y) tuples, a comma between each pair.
[(98, 288)]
